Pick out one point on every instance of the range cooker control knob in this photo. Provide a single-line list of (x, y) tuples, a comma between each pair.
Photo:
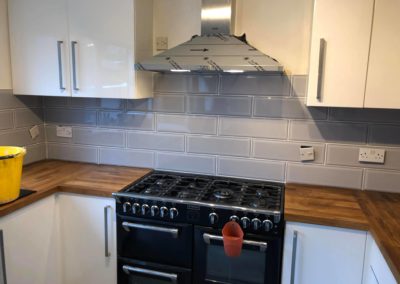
[(173, 212), (154, 210), (135, 208), (234, 218), (268, 225), (245, 222), (126, 207), (213, 217), (145, 209), (163, 212), (256, 224)]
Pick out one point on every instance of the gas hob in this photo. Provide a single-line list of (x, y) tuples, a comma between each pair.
[(203, 200)]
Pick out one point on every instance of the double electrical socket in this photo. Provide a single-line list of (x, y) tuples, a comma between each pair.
[(64, 131), (371, 155)]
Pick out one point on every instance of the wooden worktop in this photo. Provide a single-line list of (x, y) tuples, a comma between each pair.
[(48, 177), (324, 206), (354, 209)]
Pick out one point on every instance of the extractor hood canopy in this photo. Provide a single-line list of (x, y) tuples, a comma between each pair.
[(215, 51)]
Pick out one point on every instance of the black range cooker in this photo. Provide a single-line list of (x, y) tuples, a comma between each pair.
[(169, 230)]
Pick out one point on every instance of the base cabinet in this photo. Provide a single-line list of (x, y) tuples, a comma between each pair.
[(87, 239), (62, 239), (376, 270), (30, 244), (320, 254)]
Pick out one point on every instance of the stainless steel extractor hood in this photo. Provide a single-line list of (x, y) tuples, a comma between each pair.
[(216, 50)]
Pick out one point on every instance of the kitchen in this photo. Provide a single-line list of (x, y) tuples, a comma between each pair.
[(322, 137)]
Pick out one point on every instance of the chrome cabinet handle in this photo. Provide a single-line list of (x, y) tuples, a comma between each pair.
[(127, 225), (170, 276), (60, 65), (3, 259), (74, 72), (262, 245), (106, 245), (294, 254), (321, 63)]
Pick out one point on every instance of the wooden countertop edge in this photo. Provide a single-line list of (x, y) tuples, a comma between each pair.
[(26, 201), (289, 217)]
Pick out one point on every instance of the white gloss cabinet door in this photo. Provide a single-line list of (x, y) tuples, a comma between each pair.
[(31, 244), (322, 254), (84, 222), (339, 52), (39, 47), (384, 62), (101, 35), (376, 270)]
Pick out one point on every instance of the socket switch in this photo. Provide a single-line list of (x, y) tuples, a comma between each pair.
[(371, 155), (306, 153), (34, 131), (161, 43), (64, 131)]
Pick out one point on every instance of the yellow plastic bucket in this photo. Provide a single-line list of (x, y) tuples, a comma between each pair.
[(11, 159)]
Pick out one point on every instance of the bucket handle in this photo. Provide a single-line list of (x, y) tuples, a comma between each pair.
[(262, 245)]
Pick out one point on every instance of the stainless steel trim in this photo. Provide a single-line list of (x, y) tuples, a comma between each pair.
[(74, 72), (262, 245), (106, 245), (321, 63), (60, 65), (216, 17), (3, 259), (173, 231), (170, 276), (294, 254), (198, 203)]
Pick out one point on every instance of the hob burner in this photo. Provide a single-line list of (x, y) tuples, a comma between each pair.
[(223, 193)]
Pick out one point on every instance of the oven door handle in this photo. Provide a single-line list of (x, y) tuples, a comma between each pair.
[(262, 245), (174, 232), (170, 276)]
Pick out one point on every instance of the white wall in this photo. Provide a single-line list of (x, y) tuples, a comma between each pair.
[(5, 66), (279, 28)]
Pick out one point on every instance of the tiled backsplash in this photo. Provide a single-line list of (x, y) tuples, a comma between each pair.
[(242, 126), (17, 115)]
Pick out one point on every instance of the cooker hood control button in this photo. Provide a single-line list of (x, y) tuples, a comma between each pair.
[(213, 217), (234, 218), (268, 225), (145, 209), (163, 212), (256, 223), (126, 207), (154, 210), (135, 208), (245, 222), (173, 212)]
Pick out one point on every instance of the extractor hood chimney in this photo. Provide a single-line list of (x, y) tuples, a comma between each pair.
[(215, 51)]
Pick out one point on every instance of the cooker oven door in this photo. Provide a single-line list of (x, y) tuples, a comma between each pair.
[(155, 241), (259, 262), (139, 272)]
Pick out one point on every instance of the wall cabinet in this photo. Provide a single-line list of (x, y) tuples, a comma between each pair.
[(87, 239), (320, 254), (339, 52), (30, 244), (80, 48), (350, 66), (376, 269), (62, 239), (5, 69), (384, 61)]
